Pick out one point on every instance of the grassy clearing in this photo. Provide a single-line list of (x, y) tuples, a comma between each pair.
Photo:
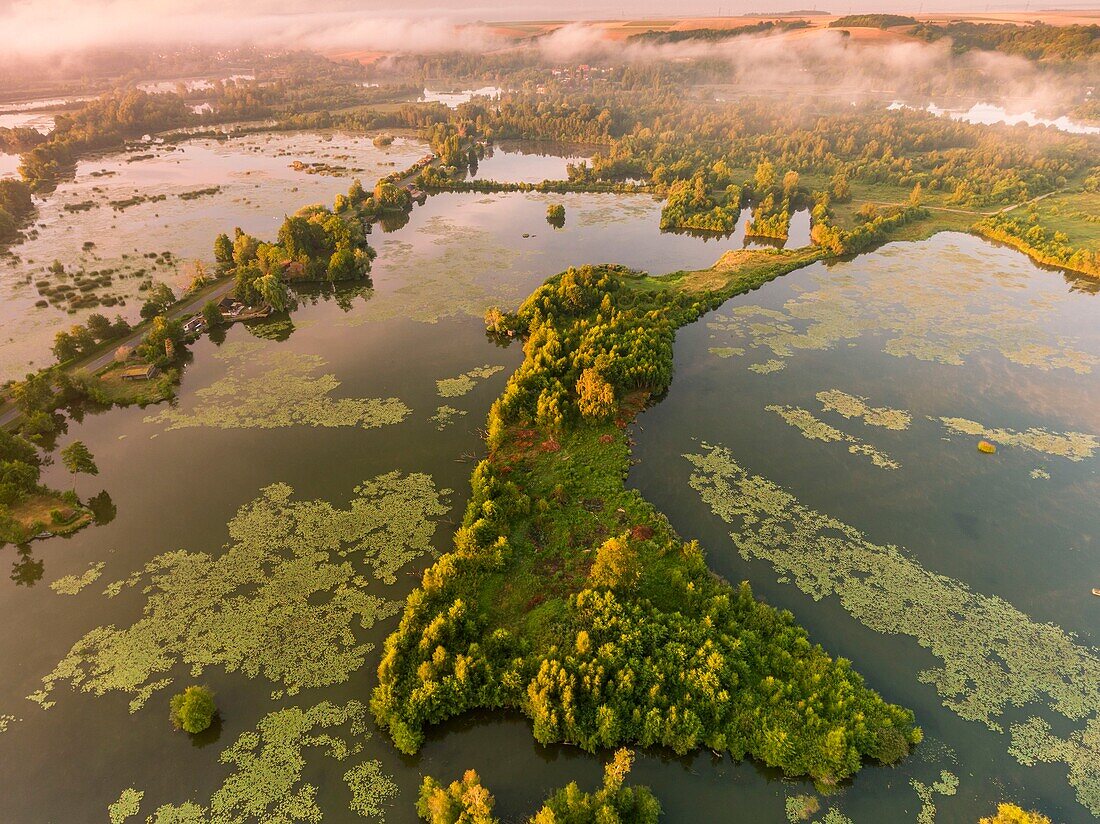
[(1076, 214), (36, 514)]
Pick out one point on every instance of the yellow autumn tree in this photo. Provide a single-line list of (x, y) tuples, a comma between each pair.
[(595, 396)]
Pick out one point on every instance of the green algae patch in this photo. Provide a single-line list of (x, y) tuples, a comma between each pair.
[(370, 789), (1040, 474), (1034, 741), (993, 657), (445, 277), (268, 783), (726, 351), (768, 367), (287, 391), (464, 383), (127, 806), (947, 785), (852, 406), (284, 600), (446, 415), (801, 807), (73, 584), (814, 429), (939, 317), (1076, 446)]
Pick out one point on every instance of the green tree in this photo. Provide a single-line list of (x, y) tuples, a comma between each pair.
[(462, 802), (212, 314), (764, 177), (160, 298), (193, 709), (78, 459), (223, 252), (555, 215), (273, 292), (595, 396)]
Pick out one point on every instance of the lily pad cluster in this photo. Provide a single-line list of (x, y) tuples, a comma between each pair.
[(285, 391), (464, 383), (267, 782), (284, 599)]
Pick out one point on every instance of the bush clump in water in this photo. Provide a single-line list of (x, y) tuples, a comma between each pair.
[(193, 709)]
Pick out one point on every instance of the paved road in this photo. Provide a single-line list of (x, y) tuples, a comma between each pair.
[(96, 363)]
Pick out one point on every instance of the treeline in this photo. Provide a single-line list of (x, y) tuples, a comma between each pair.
[(663, 138), (16, 208), (469, 802), (717, 35), (605, 629), (1037, 41), (103, 123), (878, 225), (872, 21), (1044, 245)]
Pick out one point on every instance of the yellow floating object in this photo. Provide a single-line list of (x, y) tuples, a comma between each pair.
[(987, 447)]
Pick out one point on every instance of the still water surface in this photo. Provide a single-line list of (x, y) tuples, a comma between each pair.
[(981, 520)]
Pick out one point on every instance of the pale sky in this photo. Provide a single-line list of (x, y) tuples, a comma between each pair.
[(59, 26)]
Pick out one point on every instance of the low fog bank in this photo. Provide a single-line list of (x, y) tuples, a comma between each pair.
[(818, 62)]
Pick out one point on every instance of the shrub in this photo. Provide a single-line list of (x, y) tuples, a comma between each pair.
[(193, 709)]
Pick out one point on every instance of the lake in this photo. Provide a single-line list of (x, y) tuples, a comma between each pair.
[(345, 392)]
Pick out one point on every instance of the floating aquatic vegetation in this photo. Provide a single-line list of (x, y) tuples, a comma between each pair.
[(445, 415), (1040, 474), (370, 789), (6, 721), (464, 383), (851, 406), (801, 807), (72, 584), (276, 330), (940, 317), (947, 785), (286, 393), (612, 209), (817, 430), (768, 366), (448, 277), (267, 783), (127, 806), (993, 656), (1073, 445), (726, 351), (1034, 741), (283, 600)]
